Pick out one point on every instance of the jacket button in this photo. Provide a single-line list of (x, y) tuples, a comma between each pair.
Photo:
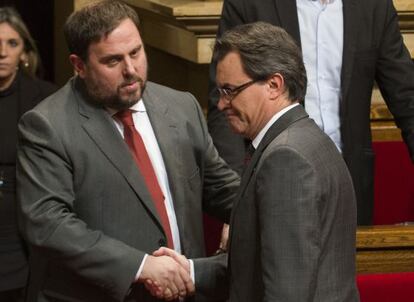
[(162, 242)]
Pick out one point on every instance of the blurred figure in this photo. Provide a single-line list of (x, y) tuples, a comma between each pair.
[(20, 91)]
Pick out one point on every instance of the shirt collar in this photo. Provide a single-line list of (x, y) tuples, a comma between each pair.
[(256, 141), (137, 107)]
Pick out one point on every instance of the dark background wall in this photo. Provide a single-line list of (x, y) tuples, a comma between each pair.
[(38, 16)]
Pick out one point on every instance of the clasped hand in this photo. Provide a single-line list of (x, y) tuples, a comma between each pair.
[(166, 274)]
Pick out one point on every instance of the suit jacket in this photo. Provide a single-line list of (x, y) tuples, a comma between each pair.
[(373, 51), (83, 204), (292, 230), (27, 92)]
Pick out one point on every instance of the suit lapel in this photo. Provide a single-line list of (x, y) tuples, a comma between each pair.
[(288, 16), (101, 129), (166, 132), (280, 125), (350, 12), (290, 117)]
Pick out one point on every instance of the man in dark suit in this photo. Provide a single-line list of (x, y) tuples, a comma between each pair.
[(293, 224), (110, 168), (367, 46)]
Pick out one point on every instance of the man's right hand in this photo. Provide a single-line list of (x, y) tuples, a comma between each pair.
[(165, 278)]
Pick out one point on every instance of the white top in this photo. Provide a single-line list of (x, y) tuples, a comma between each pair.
[(321, 34)]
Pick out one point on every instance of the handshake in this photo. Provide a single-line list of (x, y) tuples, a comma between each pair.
[(166, 274)]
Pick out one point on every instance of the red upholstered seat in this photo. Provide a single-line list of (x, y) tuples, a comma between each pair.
[(394, 184), (394, 203), (393, 287)]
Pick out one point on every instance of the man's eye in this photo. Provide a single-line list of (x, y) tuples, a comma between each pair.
[(112, 62)]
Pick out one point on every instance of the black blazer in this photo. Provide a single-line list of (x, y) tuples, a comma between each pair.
[(373, 51), (13, 268)]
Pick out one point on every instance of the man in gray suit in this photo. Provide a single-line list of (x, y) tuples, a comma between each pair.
[(292, 229), (94, 161)]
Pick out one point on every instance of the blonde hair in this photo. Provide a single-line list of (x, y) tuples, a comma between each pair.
[(10, 16)]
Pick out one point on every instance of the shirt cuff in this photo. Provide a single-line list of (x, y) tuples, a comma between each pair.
[(192, 273), (140, 268)]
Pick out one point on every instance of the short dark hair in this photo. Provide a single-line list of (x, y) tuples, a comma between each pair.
[(93, 22), (264, 50), (10, 16)]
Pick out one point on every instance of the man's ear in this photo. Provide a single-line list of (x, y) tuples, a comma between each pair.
[(276, 85), (78, 65)]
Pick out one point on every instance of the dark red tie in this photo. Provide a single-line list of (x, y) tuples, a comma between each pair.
[(139, 152), (249, 154)]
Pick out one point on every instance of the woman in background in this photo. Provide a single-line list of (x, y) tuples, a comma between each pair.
[(20, 91)]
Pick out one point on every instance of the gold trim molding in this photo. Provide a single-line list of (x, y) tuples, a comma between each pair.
[(184, 28)]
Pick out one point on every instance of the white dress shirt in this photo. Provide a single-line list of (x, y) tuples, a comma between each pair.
[(321, 34), (143, 126)]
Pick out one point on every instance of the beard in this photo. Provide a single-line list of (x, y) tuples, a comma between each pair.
[(101, 95)]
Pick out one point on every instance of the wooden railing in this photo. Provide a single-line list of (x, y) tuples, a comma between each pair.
[(385, 249)]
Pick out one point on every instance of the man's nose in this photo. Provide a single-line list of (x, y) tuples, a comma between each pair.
[(222, 103), (129, 67)]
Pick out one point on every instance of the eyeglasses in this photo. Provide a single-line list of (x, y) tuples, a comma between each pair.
[(230, 93)]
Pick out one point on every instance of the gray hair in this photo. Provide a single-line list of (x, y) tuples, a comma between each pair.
[(264, 50)]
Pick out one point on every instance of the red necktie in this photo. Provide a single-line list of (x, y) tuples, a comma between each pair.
[(139, 152), (249, 154)]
